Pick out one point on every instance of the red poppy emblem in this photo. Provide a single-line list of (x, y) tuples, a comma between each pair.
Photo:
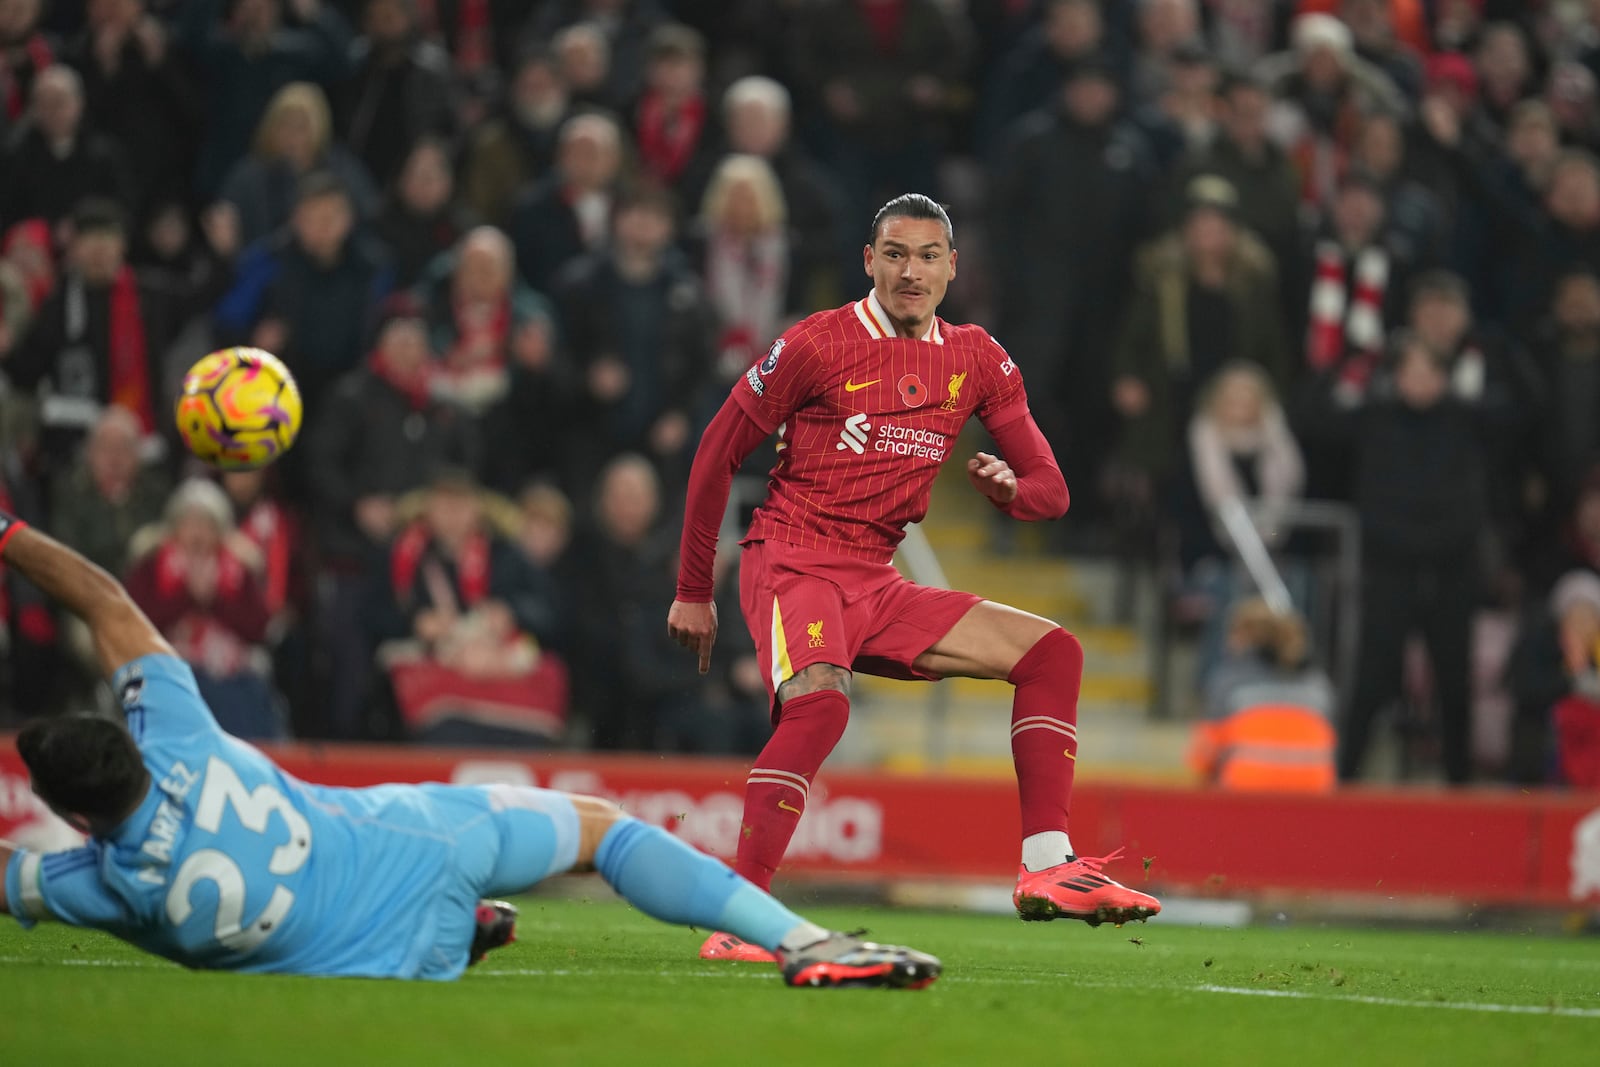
[(912, 391)]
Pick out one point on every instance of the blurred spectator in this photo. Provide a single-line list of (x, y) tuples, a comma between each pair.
[(545, 532), (89, 346), (27, 275), (1322, 88), (400, 92), (199, 587), (245, 52), (1575, 716), (885, 74), (1205, 295), (480, 36), (266, 524), (295, 139), (136, 87), (756, 114), (1415, 220), (1241, 452), (1570, 94), (108, 495), (53, 161), (1258, 170), (1457, 24), (516, 145), (1374, 35), (638, 326), (33, 673), (746, 261), (376, 438), (1165, 28), (1567, 235), (1032, 70), (1568, 355), (1495, 378), (422, 218), (1421, 527), (183, 270), (569, 213), (482, 321), (464, 615), (308, 291), (631, 675), (1269, 710), (672, 121), (1181, 118), (1505, 69), (1070, 190), (24, 52), (1355, 292), (623, 28), (1241, 32), (583, 57)]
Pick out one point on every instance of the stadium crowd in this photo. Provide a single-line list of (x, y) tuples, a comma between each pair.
[(515, 251)]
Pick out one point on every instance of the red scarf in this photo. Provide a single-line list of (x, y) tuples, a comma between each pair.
[(667, 139), (497, 330), (130, 373), (267, 527), (1346, 331), (472, 565), (171, 566)]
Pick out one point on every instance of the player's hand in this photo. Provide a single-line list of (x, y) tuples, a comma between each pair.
[(993, 477), (694, 626)]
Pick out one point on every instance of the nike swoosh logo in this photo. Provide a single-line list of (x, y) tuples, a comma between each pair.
[(784, 804), (852, 387)]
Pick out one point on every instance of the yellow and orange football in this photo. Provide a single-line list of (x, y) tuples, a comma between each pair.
[(239, 408)]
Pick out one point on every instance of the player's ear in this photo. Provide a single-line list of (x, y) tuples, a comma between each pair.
[(952, 264), (866, 259)]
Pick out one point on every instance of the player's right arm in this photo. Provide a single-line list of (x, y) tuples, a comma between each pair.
[(121, 631), (769, 393)]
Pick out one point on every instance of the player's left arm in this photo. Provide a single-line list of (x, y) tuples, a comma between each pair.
[(121, 631), (1024, 480)]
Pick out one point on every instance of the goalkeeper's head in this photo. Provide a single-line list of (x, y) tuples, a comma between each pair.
[(86, 767)]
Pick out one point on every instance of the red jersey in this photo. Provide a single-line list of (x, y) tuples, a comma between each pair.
[(864, 420)]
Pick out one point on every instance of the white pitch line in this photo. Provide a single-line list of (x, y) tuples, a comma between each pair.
[(1396, 1002)]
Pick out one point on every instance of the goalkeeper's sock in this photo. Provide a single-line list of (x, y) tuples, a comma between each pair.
[(1044, 744), (779, 785), (668, 880)]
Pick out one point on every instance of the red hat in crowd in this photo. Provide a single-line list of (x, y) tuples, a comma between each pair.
[(1455, 70)]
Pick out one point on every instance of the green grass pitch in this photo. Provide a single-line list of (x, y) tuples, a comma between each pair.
[(597, 983)]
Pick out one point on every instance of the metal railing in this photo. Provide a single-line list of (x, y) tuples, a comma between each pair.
[(1334, 617)]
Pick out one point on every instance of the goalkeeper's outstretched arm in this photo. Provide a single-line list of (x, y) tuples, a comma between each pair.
[(121, 631)]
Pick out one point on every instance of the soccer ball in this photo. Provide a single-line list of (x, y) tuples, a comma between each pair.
[(239, 408)]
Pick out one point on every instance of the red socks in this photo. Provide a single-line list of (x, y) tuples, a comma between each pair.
[(1044, 729), (779, 785)]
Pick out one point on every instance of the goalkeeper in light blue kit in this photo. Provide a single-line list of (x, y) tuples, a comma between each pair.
[(204, 851)]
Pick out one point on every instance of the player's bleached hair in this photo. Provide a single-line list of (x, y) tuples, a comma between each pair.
[(757, 174), (756, 89), (912, 206)]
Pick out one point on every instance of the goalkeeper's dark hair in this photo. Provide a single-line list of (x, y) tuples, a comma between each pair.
[(84, 764), (912, 206)]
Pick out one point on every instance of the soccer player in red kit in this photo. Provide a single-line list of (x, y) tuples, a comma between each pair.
[(867, 401)]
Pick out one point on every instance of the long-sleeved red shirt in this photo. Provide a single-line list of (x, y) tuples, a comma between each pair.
[(865, 420)]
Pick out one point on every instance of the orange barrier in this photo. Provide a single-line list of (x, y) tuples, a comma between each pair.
[(1479, 847)]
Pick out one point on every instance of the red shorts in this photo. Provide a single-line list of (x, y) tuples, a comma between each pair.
[(805, 607)]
